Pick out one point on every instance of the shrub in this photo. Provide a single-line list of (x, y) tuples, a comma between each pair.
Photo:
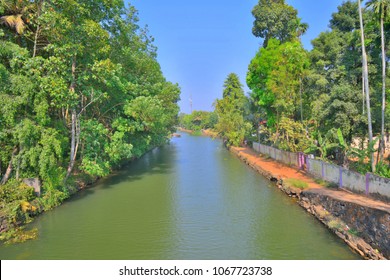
[(14, 191), (52, 198)]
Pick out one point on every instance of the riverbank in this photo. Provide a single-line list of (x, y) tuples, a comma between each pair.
[(204, 132), (15, 214), (363, 223)]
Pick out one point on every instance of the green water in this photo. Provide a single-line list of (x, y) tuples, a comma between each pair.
[(191, 199)]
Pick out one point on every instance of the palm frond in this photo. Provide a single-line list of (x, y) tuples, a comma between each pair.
[(14, 21)]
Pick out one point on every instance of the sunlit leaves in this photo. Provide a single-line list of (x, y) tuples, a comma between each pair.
[(232, 125), (275, 75)]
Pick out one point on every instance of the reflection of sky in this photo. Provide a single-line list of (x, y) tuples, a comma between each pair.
[(201, 42)]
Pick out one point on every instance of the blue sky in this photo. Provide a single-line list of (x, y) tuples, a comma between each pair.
[(200, 42)]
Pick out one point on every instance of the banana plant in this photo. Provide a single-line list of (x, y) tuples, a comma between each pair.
[(323, 145), (348, 151)]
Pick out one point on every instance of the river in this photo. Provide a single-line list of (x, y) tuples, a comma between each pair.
[(191, 199)]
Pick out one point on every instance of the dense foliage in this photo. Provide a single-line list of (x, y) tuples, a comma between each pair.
[(232, 125), (81, 90), (198, 120), (311, 99), (278, 20)]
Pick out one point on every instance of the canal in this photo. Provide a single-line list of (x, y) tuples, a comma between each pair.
[(191, 199)]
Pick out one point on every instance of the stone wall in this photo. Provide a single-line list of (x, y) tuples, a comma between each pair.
[(352, 222), (3, 224)]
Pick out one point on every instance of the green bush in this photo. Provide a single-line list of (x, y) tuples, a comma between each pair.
[(18, 235), (383, 170), (52, 198), (326, 184), (15, 191), (197, 133)]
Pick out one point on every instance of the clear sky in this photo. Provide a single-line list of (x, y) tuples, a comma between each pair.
[(200, 42)]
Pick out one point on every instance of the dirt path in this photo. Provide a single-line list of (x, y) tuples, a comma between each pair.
[(282, 171)]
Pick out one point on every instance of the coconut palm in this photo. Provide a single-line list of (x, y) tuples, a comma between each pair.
[(300, 27), (382, 10)]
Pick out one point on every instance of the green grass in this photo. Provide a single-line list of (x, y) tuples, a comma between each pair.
[(353, 232), (296, 183), (335, 224), (197, 133), (326, 184)]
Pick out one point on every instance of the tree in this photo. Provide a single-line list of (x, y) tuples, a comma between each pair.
[(276, 19), (381, 9), (232, 125), (335, 77), (300, 27), (232, 87), (274, 76), (346, 19)]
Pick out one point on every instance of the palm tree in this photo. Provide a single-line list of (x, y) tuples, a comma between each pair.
[(15, 14), (300, 27), (381, 8), (366, 85)]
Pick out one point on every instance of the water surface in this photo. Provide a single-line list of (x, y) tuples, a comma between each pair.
[(191, 199)]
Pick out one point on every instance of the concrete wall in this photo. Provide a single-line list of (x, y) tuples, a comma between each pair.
[(279, 155), (353, 181), (377, 184), (331, 173), (314, 167), (369, 183)]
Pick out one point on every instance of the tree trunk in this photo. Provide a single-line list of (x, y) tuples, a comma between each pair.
[(72, 144), (300, 95), (17, 169), (366, 85), (382, 140), (72, 89), (36, 41), (77, 136), (363, 93), (8, 172), (36, 37)]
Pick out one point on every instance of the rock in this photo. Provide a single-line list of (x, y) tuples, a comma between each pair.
[(363, 246), (339, 234), (35, 183)]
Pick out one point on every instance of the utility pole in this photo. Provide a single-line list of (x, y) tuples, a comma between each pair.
[(191, 102)]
